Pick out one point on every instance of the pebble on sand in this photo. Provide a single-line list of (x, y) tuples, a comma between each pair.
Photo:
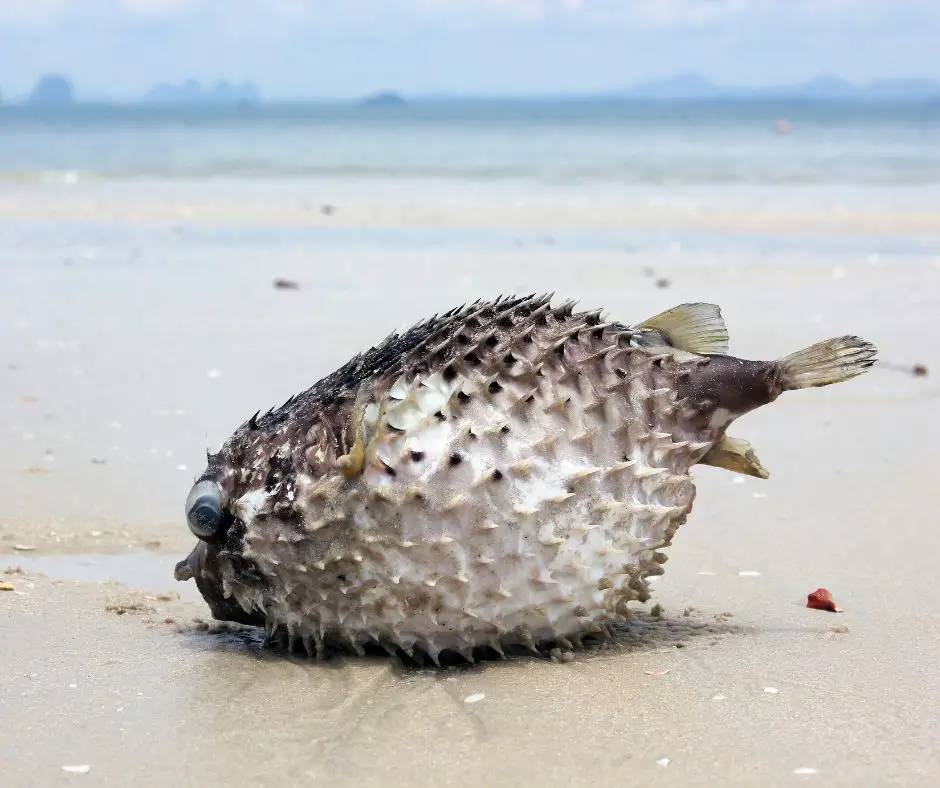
[(474, 698), (821, 599)]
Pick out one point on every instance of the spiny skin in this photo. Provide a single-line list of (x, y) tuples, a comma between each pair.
[(504, 474)]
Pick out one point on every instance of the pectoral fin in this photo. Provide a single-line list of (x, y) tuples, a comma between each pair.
[(352, 463), (696, 328), (736, 455)]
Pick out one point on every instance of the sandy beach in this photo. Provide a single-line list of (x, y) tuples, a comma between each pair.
[(140, 326)]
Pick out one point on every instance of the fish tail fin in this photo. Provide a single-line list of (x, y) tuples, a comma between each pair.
[(825, 363)]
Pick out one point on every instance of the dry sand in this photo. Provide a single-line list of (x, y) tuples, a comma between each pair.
[(129, 348)]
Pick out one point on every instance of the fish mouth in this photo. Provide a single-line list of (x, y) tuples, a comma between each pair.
[(202, 565)]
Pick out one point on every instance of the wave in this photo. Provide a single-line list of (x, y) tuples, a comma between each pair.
[(883, 173)]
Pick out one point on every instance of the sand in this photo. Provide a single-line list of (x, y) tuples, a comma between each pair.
[(131, 343)]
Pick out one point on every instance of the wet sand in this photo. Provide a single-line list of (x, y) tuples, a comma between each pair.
[(129, 348)]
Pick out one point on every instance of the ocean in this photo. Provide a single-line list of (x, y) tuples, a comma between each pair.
[(573, 143)]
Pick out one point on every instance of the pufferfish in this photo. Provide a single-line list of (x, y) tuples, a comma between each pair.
[(506, 474)]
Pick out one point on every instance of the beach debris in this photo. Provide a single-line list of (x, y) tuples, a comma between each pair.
[(719, 697), (474, 698), (24, 548), (758, 495), (805, 771), (662, 283), (839, 630), (664, 762), (286, 284), (917, 370), (80, 769), (98, 461), (657, 672), (34, 471), (327, 210), (771, 690), (123, 608), (748, 573), (6, 585), (821, 599)]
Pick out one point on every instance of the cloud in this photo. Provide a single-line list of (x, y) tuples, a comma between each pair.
[(622, 13)]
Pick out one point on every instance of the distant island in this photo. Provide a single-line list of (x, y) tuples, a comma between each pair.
[(383, 99), (695, 87), (52, 90), (57, 90), (192, 91)]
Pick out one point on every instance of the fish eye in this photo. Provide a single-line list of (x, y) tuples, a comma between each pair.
[(204, 509)]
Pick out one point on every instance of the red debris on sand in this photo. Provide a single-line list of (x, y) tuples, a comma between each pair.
[(919, 371), (821, 599)]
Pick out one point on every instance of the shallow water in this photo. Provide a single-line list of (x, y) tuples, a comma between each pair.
[(143, 571)]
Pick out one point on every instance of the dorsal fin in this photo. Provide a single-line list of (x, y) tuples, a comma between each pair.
[(696, 328)]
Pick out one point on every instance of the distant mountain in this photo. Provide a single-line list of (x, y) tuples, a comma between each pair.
[(52, 90), (694, 87), (383, 99), (192, 92)]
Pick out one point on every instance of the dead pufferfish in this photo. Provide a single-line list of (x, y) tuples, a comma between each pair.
[(505, 474)]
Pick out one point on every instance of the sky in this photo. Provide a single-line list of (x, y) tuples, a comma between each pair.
[(344, 48)]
